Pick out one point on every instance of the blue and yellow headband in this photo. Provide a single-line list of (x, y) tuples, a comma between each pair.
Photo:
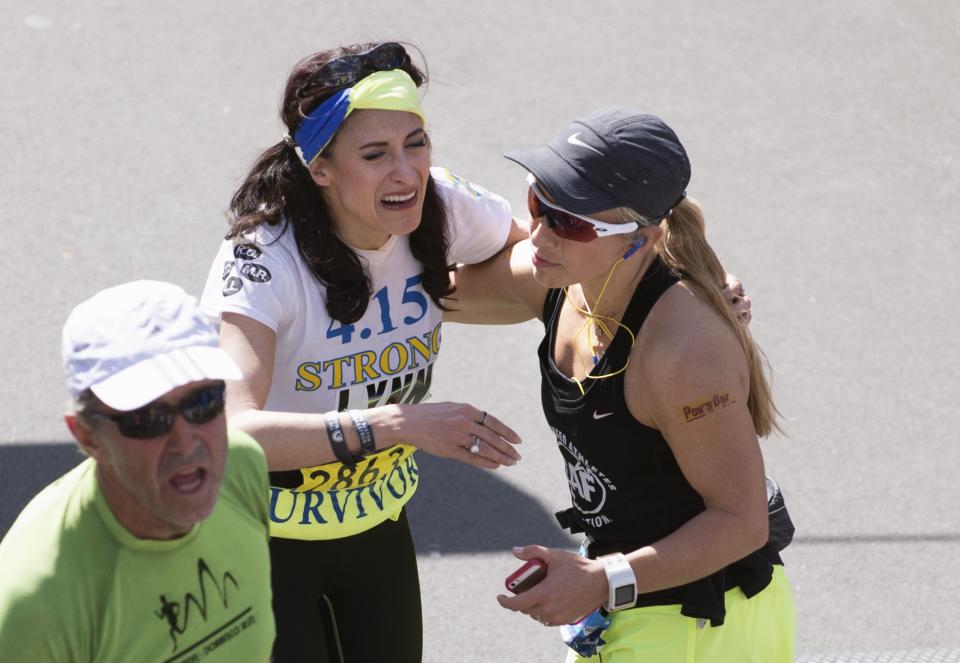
[(381, 90)]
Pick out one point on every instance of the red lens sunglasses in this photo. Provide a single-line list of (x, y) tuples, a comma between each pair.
[(568, 225)]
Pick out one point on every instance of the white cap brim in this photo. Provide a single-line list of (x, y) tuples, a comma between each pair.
[(150, 379)]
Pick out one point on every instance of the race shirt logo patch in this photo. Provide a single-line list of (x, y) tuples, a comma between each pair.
[(255, 272), (589, 486), (232, 286), (208, 603), (246, 252)]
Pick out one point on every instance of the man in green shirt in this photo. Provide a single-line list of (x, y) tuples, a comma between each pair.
[(153, 549)]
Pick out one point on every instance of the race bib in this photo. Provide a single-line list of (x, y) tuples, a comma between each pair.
[(335, 501)]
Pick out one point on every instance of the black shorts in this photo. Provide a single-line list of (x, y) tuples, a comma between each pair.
[(349, 600)]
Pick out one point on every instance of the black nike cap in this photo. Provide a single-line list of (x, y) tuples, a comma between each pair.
[(612, 157)]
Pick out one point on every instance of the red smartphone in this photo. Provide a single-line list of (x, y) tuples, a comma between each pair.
[(526, 576)]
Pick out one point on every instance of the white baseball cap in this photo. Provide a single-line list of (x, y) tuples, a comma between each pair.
[(132, 343)]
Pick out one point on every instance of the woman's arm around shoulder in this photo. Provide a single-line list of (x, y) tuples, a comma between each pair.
[(498, 291)]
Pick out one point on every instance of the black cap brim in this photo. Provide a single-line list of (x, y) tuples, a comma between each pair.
[(568, 187)]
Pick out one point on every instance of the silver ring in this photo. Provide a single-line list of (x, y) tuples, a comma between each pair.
[(475, 447), (483, 418)]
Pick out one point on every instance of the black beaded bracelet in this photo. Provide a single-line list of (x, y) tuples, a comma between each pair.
[(367, 443), (337, 440)]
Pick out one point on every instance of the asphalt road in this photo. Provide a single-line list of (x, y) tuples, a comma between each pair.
[(826, 153)]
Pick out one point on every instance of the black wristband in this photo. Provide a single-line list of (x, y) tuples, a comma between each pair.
[(367, 443), (337, 440)]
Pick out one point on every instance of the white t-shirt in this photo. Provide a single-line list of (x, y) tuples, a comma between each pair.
[(321, 365), (387, 355)]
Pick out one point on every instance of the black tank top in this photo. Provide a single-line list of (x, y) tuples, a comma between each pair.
[(626, 487)]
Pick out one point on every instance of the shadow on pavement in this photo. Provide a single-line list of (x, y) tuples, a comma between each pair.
[(461, 509), (27, 468), (457, 509)]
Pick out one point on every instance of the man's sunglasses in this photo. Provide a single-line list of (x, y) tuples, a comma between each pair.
[(348, 69), (156, 419), (568, 225)]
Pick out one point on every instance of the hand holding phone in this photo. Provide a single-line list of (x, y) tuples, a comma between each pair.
[(526, 576)]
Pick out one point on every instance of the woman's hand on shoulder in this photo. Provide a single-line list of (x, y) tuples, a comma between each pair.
[(448, 430), (738, 299), (573, 587)]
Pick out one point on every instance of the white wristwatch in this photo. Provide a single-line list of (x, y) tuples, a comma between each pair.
[(621, 581)]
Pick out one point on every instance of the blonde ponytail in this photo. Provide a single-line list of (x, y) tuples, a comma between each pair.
[(683, 248)]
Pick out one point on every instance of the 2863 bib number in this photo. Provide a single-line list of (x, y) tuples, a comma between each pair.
[(337, 476)]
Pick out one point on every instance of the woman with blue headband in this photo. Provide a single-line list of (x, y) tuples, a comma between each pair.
[(329, 287), (656, 394)]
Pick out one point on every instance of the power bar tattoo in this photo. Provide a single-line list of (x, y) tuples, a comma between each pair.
[(705, 406)]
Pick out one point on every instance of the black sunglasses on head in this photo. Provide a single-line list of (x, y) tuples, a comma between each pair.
[(155, 419), (348, 69)]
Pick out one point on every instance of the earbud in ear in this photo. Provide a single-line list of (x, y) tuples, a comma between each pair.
[(636, 246)]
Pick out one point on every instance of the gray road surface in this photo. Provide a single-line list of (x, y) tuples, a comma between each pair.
[(826, 153)]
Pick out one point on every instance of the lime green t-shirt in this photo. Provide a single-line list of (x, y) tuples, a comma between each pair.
[(77, 587)]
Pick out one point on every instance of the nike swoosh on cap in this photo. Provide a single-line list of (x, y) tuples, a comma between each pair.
[(574, 139), (597, 415)]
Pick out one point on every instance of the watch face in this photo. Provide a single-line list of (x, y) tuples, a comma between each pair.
[(624, 595)]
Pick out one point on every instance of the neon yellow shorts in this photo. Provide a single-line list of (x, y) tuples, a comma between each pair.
[(756, 630)]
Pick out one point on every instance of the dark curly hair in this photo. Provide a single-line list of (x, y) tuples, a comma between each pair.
[(279, 189)]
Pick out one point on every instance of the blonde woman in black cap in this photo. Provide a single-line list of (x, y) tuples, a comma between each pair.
[(657, 396)]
